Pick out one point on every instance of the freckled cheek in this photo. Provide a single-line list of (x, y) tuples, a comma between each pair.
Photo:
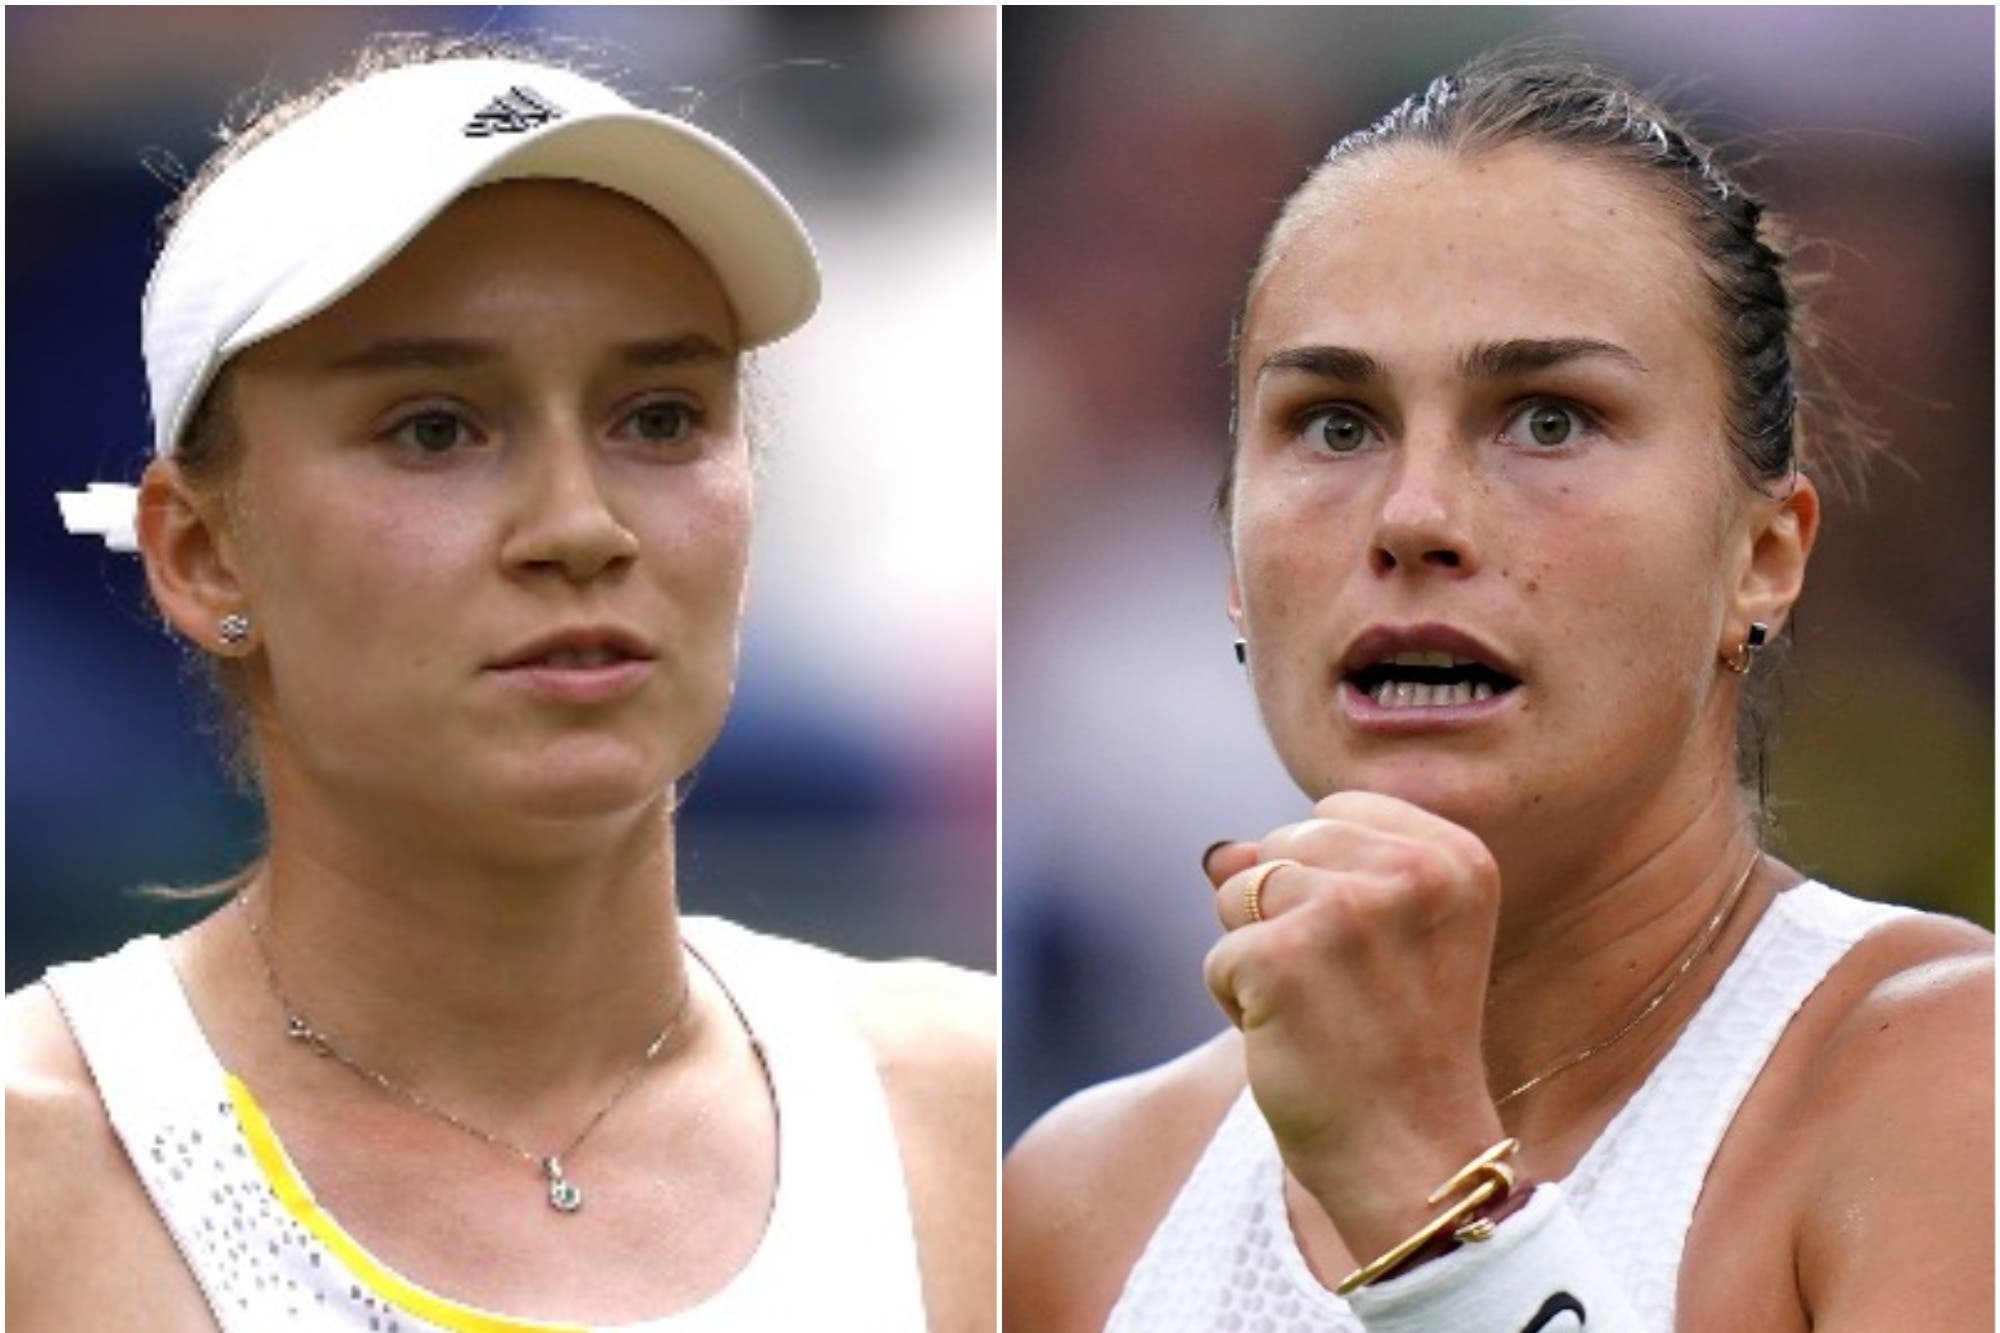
[(1293, 562), (1294, 547), (1608, 586), (1609, 614)]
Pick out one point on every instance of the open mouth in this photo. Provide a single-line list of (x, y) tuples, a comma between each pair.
[(1429, 679)]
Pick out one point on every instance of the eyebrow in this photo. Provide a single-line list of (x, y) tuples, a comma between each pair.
[(390, 354), (1327, 363), (689, 347), (1498, 361), (1486, 361)]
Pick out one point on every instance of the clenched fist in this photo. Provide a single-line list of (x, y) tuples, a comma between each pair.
[(1360, 994)]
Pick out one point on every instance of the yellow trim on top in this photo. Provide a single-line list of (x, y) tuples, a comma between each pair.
[(384, 1282)]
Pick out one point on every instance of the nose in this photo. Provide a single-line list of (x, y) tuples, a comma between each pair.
[(1420, 524), (568, 522)]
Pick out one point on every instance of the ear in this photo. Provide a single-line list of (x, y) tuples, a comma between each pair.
[(191, 562), (1235, 600), (1775, 575)]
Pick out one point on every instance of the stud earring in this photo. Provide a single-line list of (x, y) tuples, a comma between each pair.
[(1242, 652), (234, 629), (1752, 641)]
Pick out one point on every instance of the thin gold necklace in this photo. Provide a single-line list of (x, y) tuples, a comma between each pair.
[(1659, 997), (564, 1194)]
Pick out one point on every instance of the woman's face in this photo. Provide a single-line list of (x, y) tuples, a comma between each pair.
[(1487, 543), (493, 514)]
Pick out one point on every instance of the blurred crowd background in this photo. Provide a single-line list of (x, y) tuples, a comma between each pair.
[(851, 798), (1144, 153)]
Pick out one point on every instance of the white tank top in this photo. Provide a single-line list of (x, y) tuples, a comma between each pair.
[(837, 1253), (1224, 1257)]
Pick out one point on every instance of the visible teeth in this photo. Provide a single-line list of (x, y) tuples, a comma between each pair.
[(1421, 694)]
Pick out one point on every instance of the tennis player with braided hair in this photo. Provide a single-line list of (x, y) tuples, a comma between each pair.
[(453, 485), (1530, 1032)]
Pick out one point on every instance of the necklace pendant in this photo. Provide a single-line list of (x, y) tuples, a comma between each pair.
[(564, 1196), (299, 1030)]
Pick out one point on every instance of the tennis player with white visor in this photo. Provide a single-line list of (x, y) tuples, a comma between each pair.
[(453, 491)]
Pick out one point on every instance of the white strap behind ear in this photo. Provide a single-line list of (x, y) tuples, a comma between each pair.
[(107, 509)]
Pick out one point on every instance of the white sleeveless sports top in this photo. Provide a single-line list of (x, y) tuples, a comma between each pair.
[(837, 1253), (1224, 1257)]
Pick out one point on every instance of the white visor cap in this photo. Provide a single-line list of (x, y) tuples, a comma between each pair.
[(310, 213)]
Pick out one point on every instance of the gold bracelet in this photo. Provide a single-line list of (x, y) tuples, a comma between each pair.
[(1495, 1181)]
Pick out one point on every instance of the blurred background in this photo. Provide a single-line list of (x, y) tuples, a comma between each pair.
[(851, 798), (1145, 152)]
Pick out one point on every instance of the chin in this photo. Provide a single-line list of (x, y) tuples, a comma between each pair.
[(585, 781), (611, 766), (1468, 792), (584, 799)]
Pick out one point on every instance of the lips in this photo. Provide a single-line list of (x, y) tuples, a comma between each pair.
[(578, 656), (578, 649), (579, 667), (1425, 666)]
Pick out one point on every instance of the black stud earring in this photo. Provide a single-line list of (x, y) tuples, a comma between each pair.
[(1753, 639), (1242, 652)]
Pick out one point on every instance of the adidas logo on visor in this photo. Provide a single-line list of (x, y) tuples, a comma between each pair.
[(513, 112)]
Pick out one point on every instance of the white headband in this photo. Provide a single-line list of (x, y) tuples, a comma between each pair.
[(311, 212)]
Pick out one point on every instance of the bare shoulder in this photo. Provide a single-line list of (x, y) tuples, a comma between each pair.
[(39, 1050), (927, 1022), (60, 1148), (928, 1016), (71, 1191), (53, 1116), (934, 1032), (68, 1187), (1899, 1109), (1087, 1185), (1907, 1027), (1913, 993)]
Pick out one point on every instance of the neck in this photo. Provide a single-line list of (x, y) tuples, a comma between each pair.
[(1585, 944), (492, 984)]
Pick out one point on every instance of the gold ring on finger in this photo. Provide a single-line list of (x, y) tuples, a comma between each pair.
[(1253, 892)]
